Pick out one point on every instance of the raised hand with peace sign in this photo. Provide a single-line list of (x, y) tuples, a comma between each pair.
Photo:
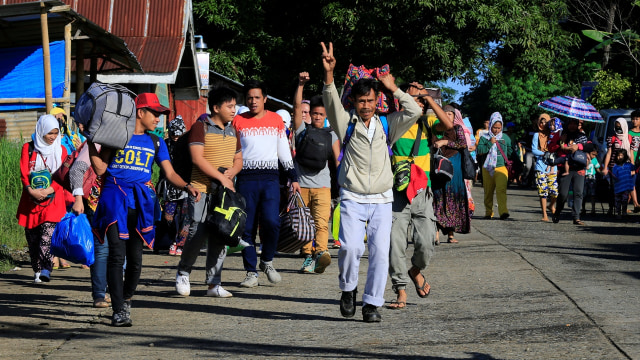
[(328, 62)]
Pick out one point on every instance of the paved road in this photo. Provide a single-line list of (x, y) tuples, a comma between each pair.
[(517, 289)]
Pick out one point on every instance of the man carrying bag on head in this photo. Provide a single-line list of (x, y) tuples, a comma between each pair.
[(365, 179)]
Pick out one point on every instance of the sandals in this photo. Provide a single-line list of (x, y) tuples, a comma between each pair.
[(419, 288), (100, 303), (451, 240), (578, 222), (399, 305), (64, 265)]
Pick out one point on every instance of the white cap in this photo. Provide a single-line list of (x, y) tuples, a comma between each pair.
[(241, 110), (286, 117)]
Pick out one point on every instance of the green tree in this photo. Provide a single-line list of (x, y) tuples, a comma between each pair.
[(422, 40), (614, 91)]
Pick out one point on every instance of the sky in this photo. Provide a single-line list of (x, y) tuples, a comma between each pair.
[(460, 88)]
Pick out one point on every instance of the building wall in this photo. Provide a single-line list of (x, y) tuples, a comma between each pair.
[(21, 124)]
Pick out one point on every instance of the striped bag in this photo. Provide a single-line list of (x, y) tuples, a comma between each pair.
[(297, 227)]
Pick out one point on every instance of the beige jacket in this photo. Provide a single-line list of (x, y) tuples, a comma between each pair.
[(365, 166)]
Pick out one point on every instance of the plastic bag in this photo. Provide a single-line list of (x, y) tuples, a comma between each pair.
[(73, 240)]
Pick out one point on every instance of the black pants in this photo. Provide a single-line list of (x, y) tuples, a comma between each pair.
[(130, 249), (563, 192)]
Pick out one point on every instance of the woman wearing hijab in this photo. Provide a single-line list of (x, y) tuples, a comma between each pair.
[(572, 140), (546, 176), (450, 203), (494, 172), (620, 140), (42, 203), (470, 139)]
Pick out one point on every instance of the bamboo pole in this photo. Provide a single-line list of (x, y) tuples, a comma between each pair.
[(31, 100), (67, 68), (79, 68), (46, 57)]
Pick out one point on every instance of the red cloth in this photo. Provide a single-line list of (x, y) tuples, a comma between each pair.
[(418, 182), (30, 214)]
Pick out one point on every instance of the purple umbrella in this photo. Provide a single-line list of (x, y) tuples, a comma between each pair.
[(572, 107)]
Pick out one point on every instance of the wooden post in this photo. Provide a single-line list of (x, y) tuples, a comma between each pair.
[(46, 57), (93, 70), (79, 68), (67, 68)]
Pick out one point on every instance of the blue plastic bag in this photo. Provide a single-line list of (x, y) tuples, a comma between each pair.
[(73, 240)]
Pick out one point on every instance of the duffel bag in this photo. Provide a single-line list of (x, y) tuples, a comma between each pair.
[(297, 227), (108, 113)]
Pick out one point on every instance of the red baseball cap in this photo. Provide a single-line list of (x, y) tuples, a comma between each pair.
[(150, 100)]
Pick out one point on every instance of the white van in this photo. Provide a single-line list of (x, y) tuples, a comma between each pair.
[(603, 130)]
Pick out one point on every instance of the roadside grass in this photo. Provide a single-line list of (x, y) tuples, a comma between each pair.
[(11, 234)]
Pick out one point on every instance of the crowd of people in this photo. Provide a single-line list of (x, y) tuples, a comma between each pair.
[(381, 164)]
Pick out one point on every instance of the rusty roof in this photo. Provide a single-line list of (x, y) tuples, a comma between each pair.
[(20, 26), (154, 30)]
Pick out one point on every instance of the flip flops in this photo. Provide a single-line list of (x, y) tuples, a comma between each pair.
[(422, 287)]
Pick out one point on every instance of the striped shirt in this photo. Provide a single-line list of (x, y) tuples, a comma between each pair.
[(402, 149), (220, 147)]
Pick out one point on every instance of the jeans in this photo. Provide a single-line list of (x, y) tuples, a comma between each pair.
[(99, 266), (563, 192), (198, 233), (262, 197), (319, 202), (356, 220), (119, 250)]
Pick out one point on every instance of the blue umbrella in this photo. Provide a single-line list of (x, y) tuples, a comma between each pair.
[(572, 108)]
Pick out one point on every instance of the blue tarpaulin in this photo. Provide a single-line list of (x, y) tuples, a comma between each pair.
[(22, 74)]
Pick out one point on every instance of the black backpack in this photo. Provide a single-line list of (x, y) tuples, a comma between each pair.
[(313, 148)]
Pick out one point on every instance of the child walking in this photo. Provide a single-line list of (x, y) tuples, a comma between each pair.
[(126, 210), (593, 167), (624, 176)]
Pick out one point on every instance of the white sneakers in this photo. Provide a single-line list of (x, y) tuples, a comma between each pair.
[(36, 278), (270, 271), (182, 284), (218, 291), (251, 280)]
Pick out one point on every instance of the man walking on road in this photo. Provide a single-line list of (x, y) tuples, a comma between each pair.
[(263, 137), (365, 179), (413, 207), (217, 158)]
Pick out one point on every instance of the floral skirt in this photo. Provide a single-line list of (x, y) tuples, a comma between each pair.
[(451, 204)]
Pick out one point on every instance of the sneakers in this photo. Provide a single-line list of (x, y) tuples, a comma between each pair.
[(218, 291), (45, 275), (370, 314), (272, 274), (348, 303), (179, 251), (336, 244), (182, 284), (308, 265), (172, 249), (251, 280), (121, 318), (36, 278), (323, 259)]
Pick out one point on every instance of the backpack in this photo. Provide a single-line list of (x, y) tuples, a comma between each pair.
[(108, 113), (351, 127), (313, 148), (61, 176)]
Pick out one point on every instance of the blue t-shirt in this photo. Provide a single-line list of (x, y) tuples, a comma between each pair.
[(134, 162)]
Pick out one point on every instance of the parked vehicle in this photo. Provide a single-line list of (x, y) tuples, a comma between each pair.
[(602, 130)]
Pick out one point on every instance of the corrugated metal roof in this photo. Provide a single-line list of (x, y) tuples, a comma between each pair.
[(20, 26), (162, 22)]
